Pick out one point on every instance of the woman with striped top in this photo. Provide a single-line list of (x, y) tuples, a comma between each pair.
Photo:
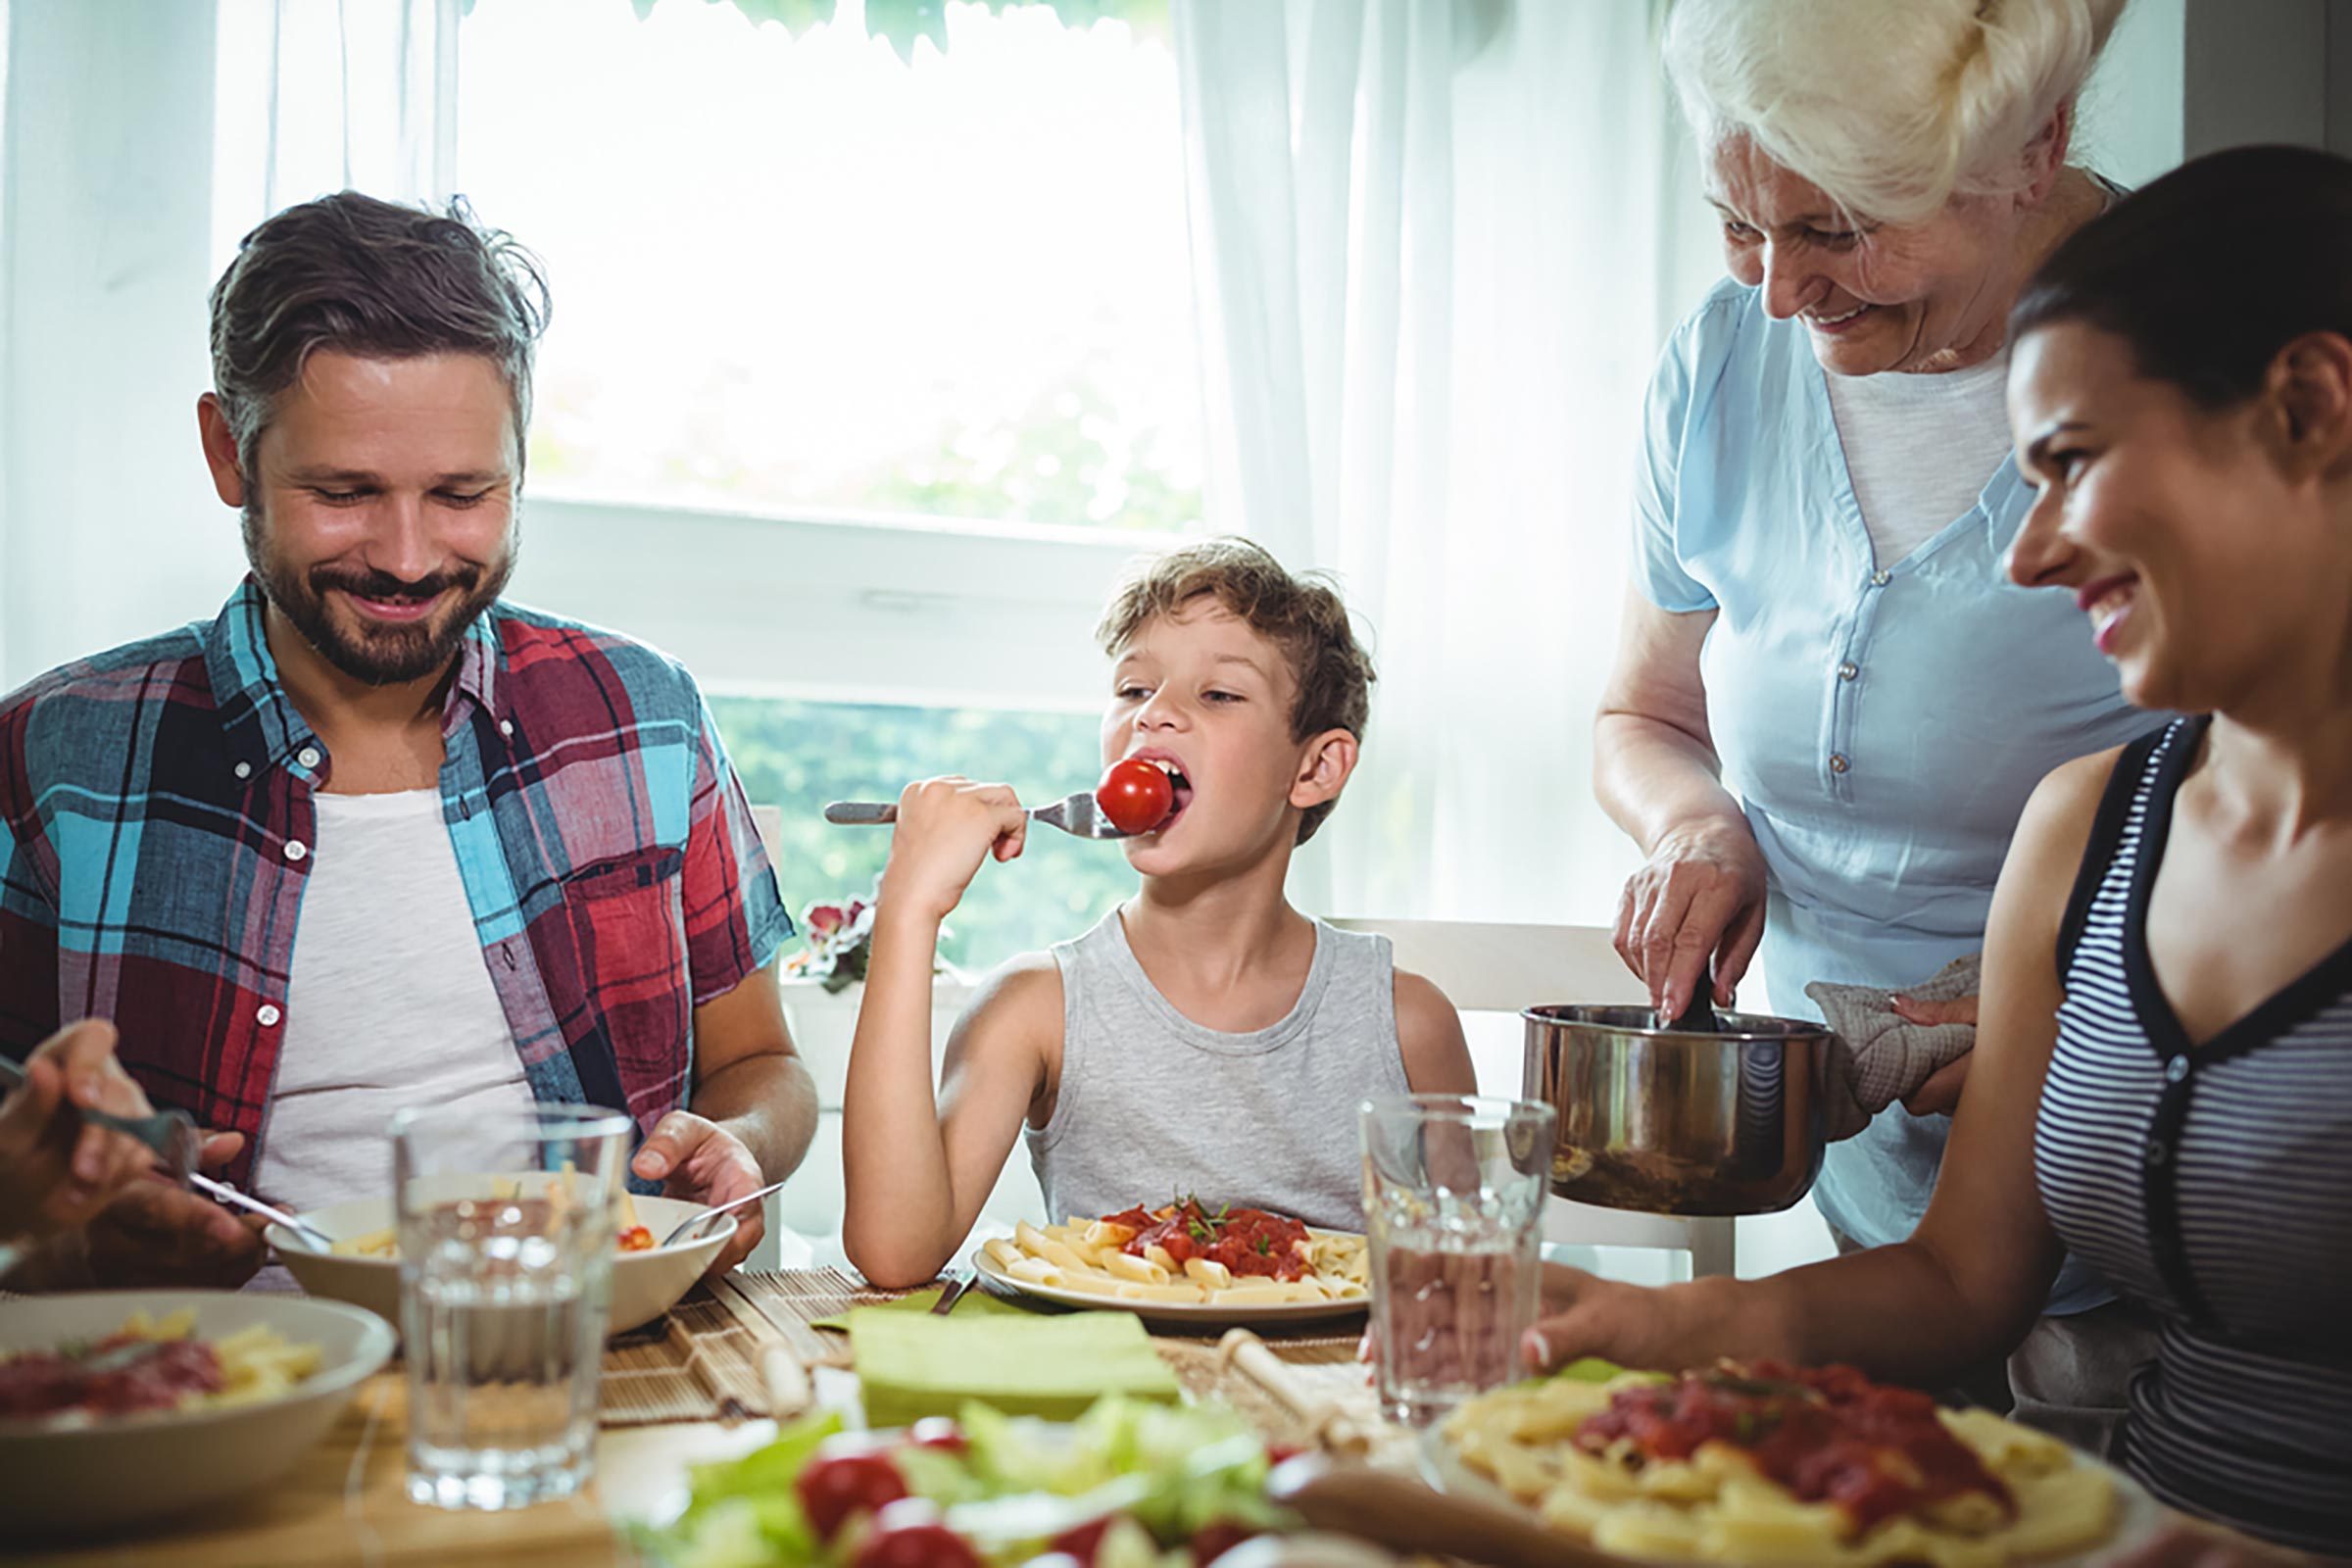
[(2162, 1082)]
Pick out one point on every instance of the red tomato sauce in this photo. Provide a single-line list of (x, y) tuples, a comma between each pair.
[(1827, 1435), (1246, 1241), (46, 1383)]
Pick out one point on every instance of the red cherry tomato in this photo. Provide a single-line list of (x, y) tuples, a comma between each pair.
[(937, 1432), (908, 1535), (834, 1488), (1213, 1540), (1134, 795)]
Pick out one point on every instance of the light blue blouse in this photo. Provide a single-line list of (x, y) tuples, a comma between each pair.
[(1882, 722)]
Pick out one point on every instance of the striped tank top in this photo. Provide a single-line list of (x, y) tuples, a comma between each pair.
[(2212, 1183)]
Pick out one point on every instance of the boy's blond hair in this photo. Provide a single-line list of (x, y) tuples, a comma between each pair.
[(1303, 615)]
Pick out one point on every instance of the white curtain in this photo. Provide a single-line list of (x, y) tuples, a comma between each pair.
[(1438, 244), (142, 138), (326, 95)]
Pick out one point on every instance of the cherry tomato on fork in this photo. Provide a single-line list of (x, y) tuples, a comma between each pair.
[(1134, 795)]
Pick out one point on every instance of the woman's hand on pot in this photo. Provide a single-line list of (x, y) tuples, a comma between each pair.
[(1699, 897)]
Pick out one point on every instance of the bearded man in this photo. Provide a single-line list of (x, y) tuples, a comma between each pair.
[(376, 837)]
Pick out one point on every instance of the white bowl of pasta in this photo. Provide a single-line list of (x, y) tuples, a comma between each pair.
[(364, 1267), (1186, 1263), (221, 1392)]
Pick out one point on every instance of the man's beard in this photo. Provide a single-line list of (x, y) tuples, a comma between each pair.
[(377, 654)]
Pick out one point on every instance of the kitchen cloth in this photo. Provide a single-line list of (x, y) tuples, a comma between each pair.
[(1876, 1056)]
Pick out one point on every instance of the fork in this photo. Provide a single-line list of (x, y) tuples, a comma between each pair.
[(1075, 814), (223, 1192), (171, 1134)]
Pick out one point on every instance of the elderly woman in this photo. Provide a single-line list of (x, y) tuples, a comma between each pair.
[(2164, 1075), (1828, 706)]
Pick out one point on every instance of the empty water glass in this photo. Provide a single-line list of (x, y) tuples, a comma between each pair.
[(1454, 1199), (508, 1227)]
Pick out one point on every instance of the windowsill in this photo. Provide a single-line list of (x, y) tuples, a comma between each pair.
[(912, 524)]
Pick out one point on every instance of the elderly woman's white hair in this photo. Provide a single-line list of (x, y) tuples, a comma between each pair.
[(1889, 105)]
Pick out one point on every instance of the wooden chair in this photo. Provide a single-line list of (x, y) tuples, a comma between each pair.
[(1493, 968)]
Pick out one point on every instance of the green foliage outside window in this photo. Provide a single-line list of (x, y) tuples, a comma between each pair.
[(902, 22), (799, 755)]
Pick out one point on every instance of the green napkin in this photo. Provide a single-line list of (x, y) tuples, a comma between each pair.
[(977, 1302), (910, 1365)]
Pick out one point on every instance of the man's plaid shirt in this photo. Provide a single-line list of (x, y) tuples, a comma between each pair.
[(157, 805)]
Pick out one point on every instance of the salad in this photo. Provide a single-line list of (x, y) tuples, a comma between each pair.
[(1127, 1485)]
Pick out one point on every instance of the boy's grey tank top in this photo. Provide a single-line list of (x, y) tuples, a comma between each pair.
[(1152, 1106)]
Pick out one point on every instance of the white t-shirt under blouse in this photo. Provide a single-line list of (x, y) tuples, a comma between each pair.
[(389, 1004), (1919, 449)]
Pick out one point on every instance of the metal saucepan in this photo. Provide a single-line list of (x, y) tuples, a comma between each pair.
[(1679, 1121)]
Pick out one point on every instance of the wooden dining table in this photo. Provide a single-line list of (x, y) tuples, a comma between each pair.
[(346, 1502)]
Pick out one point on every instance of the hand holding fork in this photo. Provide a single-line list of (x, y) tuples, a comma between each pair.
[(1076, 814)]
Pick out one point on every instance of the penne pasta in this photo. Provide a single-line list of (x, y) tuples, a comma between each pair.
[(1723, 1506), (1141, 1270), (1164, 1255), (1208, 1274)]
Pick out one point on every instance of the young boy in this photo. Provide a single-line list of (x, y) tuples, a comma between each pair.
[(1205, 1037)]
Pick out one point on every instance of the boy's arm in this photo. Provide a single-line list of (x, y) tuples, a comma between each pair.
[(1428, 1034), (918, 1170), (909, 1174)]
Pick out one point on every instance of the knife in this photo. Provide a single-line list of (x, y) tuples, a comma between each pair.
[(952, 1292)]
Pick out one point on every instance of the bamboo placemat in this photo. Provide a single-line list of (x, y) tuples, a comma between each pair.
[(794, 1298), (700, 1362)]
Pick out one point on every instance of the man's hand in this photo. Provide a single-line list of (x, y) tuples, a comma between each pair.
[(156, 1233), (57, 1169), (696, 1159)]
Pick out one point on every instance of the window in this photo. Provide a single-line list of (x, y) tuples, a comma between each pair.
[(865, 377), (798, 756), (796, 274)]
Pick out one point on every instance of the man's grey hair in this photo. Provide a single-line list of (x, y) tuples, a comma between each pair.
[(376, 279)]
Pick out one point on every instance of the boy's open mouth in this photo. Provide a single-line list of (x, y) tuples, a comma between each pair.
[(1180, 786)]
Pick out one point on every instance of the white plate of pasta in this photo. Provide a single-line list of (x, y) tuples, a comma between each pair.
[(1186, 1263), (363, 1266), (127, 1403), (1771, 1464)]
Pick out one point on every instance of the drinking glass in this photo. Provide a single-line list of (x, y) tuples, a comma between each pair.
[(1454, 1199), (506, 1234)]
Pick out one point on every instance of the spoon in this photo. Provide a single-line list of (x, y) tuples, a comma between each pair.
[(1403, 1515), (702, 1217), (1697, 1017)]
